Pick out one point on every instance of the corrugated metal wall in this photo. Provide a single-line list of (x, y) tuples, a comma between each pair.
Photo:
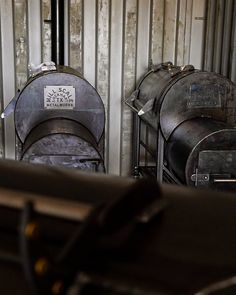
[(220, 47), (112, 43)]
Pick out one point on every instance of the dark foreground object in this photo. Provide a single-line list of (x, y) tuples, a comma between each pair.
[(109, 235)]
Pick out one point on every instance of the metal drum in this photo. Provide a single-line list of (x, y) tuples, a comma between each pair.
[(59, 119), (192, 114)]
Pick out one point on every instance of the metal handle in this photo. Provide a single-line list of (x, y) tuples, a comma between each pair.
[(130, 99), (219, 180)]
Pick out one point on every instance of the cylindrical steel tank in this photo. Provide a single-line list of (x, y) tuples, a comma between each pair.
[(59, 119), (195, 113)]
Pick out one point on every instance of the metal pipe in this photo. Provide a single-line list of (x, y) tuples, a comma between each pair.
[(57, 11)]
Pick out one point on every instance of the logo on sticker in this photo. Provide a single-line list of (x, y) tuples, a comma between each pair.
[(59, 97)]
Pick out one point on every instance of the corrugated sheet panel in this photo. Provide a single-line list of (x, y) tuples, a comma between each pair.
[(113, 43), (221, 38)]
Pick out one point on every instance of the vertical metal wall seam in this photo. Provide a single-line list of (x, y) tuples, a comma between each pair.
[(129, 69), (177, 31), (89, 40), (188, 31), (143, 36), (219, 28), (150, 34), (35, 32), (210, 36), (157, 37), (109, 87), (233, 47), (122, 83), (66, 33), (197, 44), (1, 96), (169, 44), (76, 35), (96, 45), (69, 31), (102, 68), (115, 86), (82, 37), (226, 38), (8, 73)]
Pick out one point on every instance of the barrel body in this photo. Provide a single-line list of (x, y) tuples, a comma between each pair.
[(59, 119), (194, 113)]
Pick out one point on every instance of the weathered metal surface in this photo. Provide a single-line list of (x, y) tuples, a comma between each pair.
[(103, 59), (8, 73), (75, 34), (192, 93), (220, 38), (170, 31), (197, 29), (193, 137), (190, 111), (87, 107), (89, 44), (115, 87), (157, 31), (34, 35), (65, 143), (162, 29), (20, 34), (129, 71), (46, 34), (1, 97)]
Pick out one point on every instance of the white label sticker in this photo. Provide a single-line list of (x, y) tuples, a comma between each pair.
[(59, 97)]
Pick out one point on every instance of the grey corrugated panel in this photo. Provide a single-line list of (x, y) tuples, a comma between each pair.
[(227, 37), (75, 34), (21, 48), (1, 96), (46, 30), (143, 38), (158, 12), (34, 32), (103, 52), (233, 46), (66, 34), (219, 28), (8, 73), (129, 70), (170, 30), (210, 35), (115, 94), (198, 27), (89, 41)]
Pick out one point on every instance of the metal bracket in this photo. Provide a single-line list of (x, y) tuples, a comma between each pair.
[(43, 67), (203, 177), (145, 109), (10, 107)]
